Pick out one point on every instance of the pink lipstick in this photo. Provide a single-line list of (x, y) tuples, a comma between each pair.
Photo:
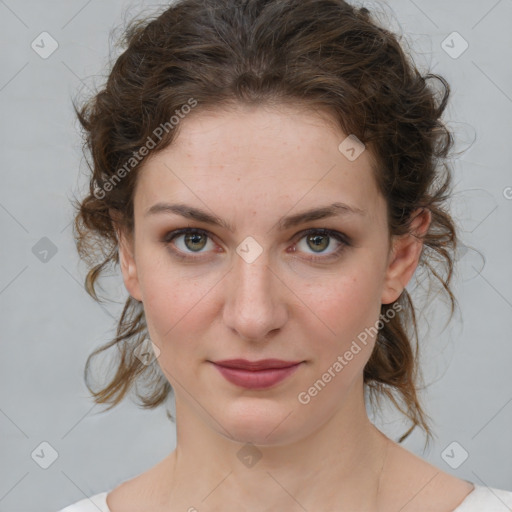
[(256, 374)]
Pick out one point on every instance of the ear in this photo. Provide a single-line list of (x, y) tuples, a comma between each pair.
[(404, 256), (126, 256)]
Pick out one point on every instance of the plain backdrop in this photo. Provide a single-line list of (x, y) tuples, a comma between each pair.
[(49, 324)]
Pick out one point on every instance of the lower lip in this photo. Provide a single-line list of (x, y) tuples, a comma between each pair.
[(259, 379)]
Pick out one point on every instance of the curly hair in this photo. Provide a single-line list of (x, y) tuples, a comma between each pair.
[(322, 54)]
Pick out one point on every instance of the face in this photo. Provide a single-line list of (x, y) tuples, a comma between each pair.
[(263, 281)]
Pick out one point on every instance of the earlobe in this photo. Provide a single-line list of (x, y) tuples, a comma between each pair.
[(404, 257)]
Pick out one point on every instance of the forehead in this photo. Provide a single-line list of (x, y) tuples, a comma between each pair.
[(258, 156)]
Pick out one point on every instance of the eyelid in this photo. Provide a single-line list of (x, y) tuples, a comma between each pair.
[(326, 231), (343, 239)]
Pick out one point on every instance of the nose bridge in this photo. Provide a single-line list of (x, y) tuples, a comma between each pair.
[(252, 307), (253, 277)]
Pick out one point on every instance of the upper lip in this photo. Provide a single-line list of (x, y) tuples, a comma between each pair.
[(262, 364)]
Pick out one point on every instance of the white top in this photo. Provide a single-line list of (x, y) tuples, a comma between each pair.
[(480, 499)]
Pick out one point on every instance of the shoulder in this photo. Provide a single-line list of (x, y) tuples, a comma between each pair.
[(96, 503), (143, 490), (415, 485), (486, 499), (129, 495)]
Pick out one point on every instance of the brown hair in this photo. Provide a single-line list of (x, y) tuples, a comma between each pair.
[(322, 54)]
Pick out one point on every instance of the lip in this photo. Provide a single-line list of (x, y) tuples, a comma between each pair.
[(262, 364), (260, 374)]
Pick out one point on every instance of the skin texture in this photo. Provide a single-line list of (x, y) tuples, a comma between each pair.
[(252, 167)]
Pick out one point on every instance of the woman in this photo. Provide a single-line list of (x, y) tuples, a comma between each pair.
[(268, 175)]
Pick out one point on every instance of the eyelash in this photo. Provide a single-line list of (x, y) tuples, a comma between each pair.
[(340, 237)]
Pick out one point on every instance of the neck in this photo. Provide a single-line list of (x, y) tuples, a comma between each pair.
[(338, 464)]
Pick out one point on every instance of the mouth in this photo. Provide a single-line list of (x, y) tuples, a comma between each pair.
[(256, 374)]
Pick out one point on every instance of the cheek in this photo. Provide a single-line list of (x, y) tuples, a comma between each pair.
[(170, 299), (349, 307), (176, 319), (178, 309)]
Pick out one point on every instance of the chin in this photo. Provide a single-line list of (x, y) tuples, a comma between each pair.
[(268, 423)]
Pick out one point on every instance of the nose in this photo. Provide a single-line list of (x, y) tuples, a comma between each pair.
[(254, 305)]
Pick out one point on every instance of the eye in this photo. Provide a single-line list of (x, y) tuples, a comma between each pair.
[(189, 239), (319, 240), (193, 240)]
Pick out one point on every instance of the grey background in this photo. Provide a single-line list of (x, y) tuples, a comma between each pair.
[(49, 324)]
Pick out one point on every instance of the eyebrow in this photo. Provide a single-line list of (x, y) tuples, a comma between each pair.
[(192, 213)]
